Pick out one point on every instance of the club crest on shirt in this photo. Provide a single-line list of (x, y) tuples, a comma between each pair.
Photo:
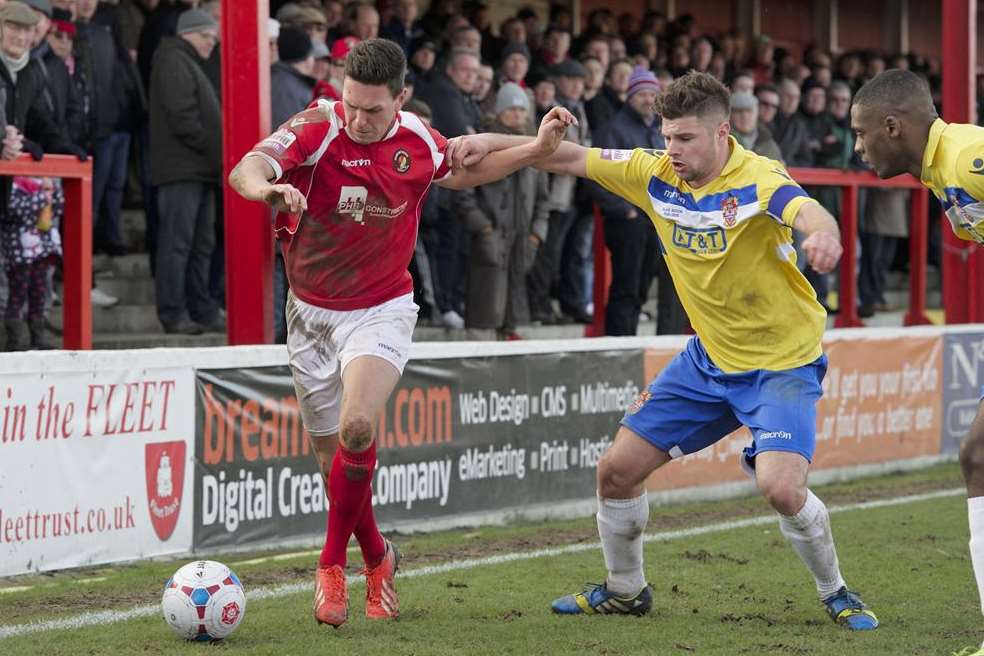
[(401, 161), (640, 400), (729, 209)]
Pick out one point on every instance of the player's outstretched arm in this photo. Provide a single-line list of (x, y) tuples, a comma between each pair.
[(481, 158), (822, 244), (251, 180)]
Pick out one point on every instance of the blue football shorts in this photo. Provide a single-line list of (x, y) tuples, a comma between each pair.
[(692, 404)]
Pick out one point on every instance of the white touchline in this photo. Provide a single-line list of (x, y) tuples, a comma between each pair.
[(113, 616)]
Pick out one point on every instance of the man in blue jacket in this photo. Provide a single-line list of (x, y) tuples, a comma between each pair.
[(629, 235)]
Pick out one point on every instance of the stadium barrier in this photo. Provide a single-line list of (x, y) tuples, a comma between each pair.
[(849, 182), (115, 456)]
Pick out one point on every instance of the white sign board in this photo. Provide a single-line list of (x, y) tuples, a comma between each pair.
[(95, 466)]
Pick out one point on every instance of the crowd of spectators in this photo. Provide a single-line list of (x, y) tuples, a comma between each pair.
[(135, 85)]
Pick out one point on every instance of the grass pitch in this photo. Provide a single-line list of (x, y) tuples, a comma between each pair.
[(726, 591)]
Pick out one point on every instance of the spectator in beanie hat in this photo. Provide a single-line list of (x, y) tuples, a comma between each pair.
[(186, 167), (322, 61), (421, 60), (629, 234), (642, 79), (61, 36), (511, 96), (506, 221), (514, 63), (291, 78), (292, 85), (331, 86), (61, 95), (746, 127)]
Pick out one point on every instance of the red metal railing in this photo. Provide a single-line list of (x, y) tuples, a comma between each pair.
[(76, 230), (849, 181), (246, 120)]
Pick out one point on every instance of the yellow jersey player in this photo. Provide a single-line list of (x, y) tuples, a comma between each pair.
[(899, 132), (724, 217)]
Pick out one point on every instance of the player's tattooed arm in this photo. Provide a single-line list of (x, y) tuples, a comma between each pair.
[(252, 180)]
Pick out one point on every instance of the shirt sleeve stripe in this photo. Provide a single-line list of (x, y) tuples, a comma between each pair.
[(781, 197), (269, 160), (415, 125)]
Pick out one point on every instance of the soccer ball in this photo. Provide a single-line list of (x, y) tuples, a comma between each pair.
[(204, 601)]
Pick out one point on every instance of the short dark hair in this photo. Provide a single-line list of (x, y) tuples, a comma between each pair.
[(768, 86), (893, 89), (377, 62), (695, 94)]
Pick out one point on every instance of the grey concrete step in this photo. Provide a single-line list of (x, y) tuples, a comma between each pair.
[(130, 291), (119, 319), (135, 265), (900, 298), (900, 279), (574, 331), (152, 340), (569, 331)]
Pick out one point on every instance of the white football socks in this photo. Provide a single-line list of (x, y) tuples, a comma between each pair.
[(621, 523), (975, 513), (809, 533)]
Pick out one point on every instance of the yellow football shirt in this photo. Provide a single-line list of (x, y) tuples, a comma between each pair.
[(728, 246), (953, 169)]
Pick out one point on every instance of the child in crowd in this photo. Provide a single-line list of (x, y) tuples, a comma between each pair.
[(31, 245)]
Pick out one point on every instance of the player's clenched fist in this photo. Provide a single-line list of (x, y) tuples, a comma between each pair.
[(823, 250), (285, 198), (553, 127)]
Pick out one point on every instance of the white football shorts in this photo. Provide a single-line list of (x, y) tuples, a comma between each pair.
[(322, 342)]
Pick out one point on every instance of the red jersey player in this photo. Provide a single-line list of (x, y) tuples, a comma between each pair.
[(348, 179)]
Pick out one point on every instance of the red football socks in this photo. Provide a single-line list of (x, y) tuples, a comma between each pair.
[(350, 508), (367, 533)]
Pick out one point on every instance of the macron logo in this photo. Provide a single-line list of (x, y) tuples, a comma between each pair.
[(354, 163), (776, 435)]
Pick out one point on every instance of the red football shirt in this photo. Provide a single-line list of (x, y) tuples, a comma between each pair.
[(351, 248)]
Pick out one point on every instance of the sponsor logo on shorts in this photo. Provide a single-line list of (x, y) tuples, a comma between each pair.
[(776, 435), (640, 400), (387, 347)]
